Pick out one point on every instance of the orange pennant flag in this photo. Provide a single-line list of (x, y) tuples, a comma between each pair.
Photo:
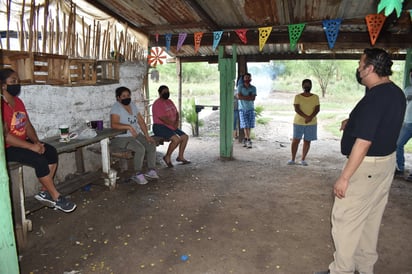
[(374, 23), (264, 33), (198, 38)]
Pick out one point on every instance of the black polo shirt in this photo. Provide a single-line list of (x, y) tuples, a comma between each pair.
[(378, 118)]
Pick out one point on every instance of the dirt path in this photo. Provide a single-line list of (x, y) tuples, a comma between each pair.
[(251, 215)]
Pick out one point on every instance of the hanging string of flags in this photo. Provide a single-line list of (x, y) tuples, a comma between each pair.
[(374, 23)]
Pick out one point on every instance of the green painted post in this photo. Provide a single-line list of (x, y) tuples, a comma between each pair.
[(408, 66), (8, 251), (227, 69)]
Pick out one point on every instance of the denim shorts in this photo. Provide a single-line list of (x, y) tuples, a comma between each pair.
[(165, 132), (309, 133)]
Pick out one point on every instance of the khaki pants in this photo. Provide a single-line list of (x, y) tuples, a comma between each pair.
[(357, 217)]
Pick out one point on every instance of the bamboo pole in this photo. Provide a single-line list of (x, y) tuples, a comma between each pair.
[(8, 4), (22, 35), (98, 40), (57, 45), (84, 37), (67, 35), (94, 39), (45, 23), (74, 30), (89, 29), (51, 36), (30, 25), (37, 29)]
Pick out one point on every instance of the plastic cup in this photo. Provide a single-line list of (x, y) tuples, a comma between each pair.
[(64, 133)]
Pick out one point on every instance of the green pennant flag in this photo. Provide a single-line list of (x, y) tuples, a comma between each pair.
[(295, 31)]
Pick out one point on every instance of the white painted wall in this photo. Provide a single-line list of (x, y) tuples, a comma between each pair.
[(51, 106)]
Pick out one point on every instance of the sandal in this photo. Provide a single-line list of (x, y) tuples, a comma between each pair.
[(184, 161), (169, 164)]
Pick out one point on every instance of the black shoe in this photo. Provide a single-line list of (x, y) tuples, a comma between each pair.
[(399, 173), (409, 178)]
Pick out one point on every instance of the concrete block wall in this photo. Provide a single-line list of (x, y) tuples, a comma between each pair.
[(50, 106)]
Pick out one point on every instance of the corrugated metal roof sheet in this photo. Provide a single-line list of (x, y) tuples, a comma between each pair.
[(190, 16)]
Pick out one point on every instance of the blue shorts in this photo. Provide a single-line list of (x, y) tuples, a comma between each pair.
[(165, 132), (247, 118), (309, 133)]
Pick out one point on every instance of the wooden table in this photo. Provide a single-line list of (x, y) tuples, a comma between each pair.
[(76, 145), (23, 206)]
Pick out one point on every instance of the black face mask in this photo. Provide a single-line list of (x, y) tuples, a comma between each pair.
[(307, 89), (358, 77), (166, 95), (126, 101), (14, 90)]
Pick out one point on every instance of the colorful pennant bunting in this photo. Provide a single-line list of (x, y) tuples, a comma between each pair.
[(264, 34), (217, 35), (295, 31), (242, 35), (374, 23), (168, 37), (156, 56), (389, 6), (331, 28), (198, 39), (181, 40)]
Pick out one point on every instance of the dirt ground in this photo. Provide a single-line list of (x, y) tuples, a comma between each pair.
[(253, 214)]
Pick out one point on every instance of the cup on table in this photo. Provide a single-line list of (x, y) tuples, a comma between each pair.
[(64, 133), (97, 124)]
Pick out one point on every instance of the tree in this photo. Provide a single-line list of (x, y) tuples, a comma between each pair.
[(323, 70)]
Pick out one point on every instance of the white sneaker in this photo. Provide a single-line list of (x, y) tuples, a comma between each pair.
[(139, 178), (152, 174)]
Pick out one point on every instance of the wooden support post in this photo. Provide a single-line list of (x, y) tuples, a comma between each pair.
[(227, 71), (8, 251), (408, 67)]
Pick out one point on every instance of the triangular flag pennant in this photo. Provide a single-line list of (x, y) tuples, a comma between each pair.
[(389, 6), (410, 13), (181, 40), (264, 33), (331, 28), (157, 37), (374, 23), (198, 38), (242, 35), (168, 37), (217, 35), (295, 31)]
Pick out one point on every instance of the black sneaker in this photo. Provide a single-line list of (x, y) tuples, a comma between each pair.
[(399, 173), (244, 142), (65, 205), (45, 198)]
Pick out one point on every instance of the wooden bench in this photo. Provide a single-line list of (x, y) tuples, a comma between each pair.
[(24, 205), (123, 155)]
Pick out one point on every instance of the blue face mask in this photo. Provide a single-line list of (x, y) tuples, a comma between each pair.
[(14, 90)]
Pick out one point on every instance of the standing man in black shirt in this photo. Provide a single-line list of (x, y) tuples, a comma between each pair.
[(369, 142)]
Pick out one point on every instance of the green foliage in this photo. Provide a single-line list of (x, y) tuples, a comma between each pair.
[(189, 114), (258, 111)]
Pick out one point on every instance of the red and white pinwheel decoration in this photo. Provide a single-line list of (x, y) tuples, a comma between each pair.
[(156, 56)]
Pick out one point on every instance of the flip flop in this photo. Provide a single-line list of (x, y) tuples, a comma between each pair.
[(184, 161), (169, 164)]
